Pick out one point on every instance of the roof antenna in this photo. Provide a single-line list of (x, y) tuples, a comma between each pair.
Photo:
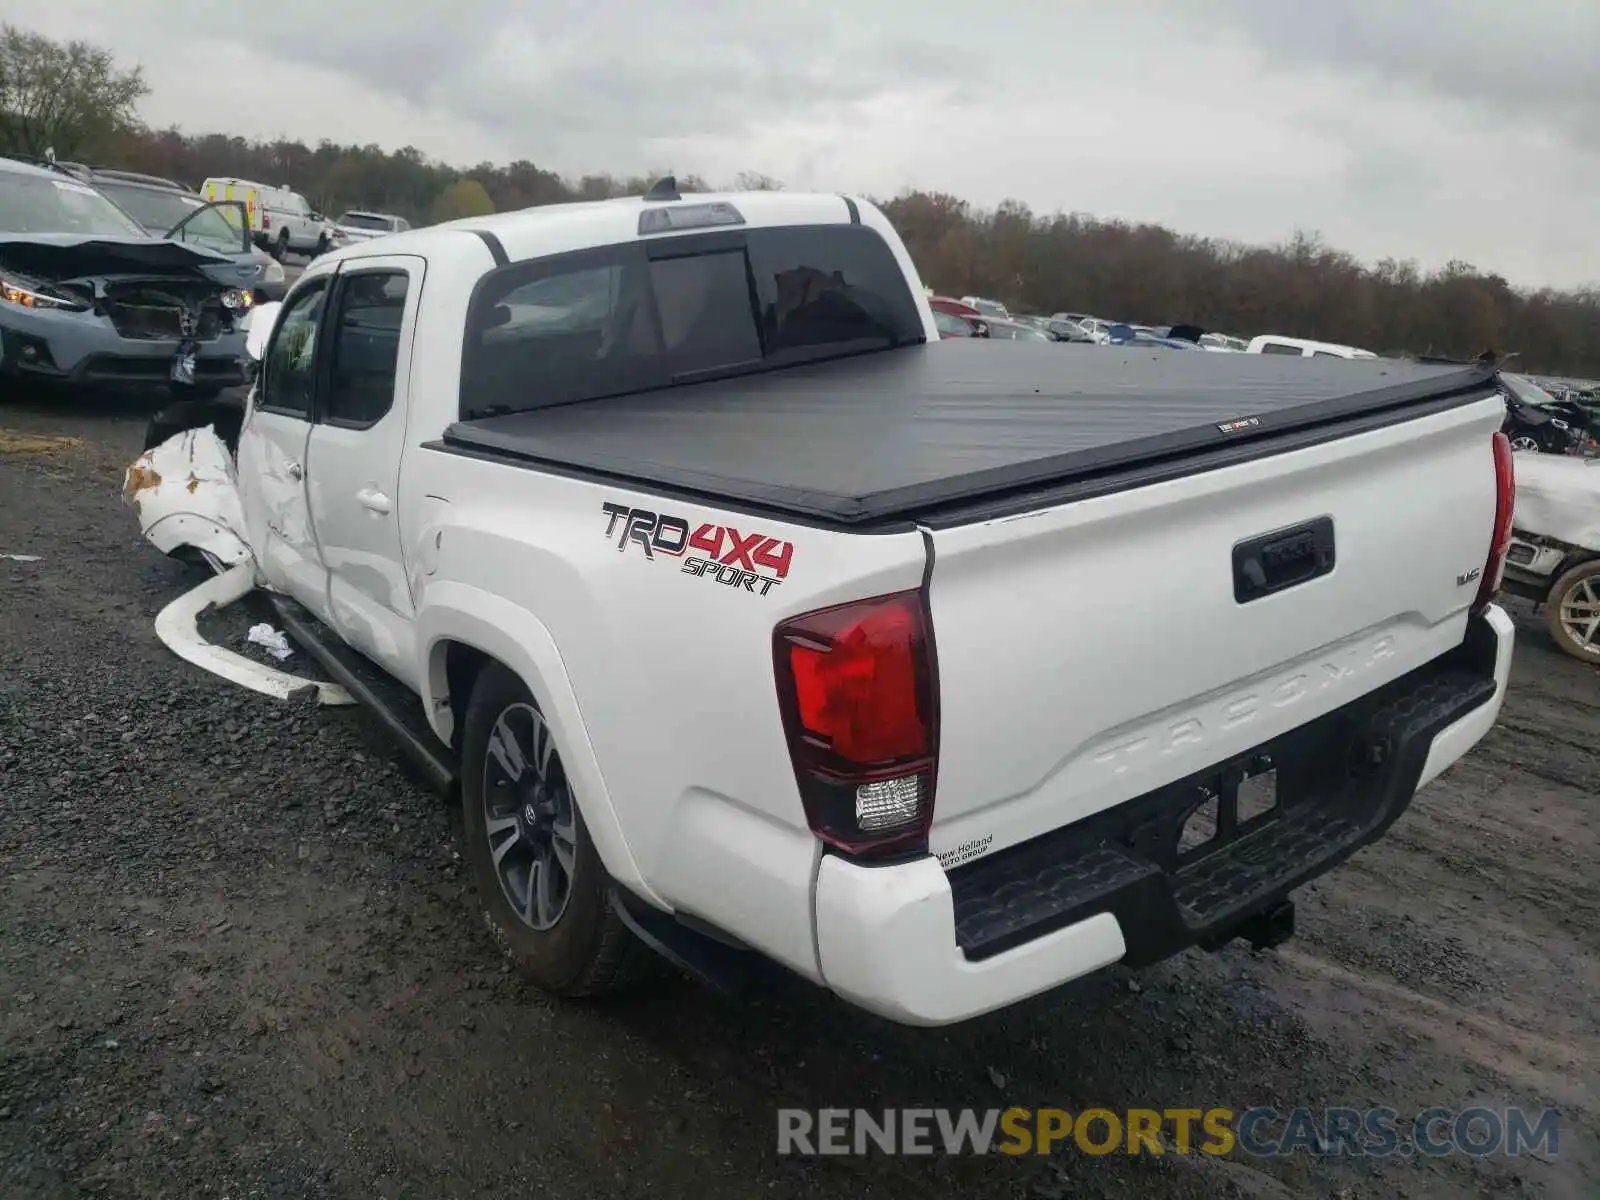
[(665, 188)]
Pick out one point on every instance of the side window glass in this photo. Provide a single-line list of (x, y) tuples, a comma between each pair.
[(366, 347), (569, 335), (823, 287), (704, 302), (289, 372), (1280, 348)]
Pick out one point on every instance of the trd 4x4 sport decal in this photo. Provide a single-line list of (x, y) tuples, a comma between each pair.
[(752, 561)]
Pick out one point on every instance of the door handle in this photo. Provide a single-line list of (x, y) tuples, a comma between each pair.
[(375, 500), (295, 470)]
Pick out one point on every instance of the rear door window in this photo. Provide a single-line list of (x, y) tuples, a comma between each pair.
[(1280, 348)]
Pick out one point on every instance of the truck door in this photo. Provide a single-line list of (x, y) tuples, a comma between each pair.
[(353, 466), (272, 451)]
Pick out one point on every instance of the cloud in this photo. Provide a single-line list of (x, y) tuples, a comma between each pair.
[(1532, 60), (1402, 130)]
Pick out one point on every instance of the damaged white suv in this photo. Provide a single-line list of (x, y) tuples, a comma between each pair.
[(748, 618)]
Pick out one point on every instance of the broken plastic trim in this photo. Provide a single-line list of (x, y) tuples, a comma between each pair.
[(177, 627)]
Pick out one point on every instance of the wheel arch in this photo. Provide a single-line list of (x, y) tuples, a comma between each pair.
[(461, 630)]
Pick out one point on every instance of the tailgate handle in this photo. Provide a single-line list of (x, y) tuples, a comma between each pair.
[(1282, 559)]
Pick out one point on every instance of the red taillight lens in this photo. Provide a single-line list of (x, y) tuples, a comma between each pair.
[(858, 690), (1505, 503)]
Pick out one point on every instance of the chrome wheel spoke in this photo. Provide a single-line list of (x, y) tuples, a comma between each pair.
[(503, 746), (544, 894), (542, 744), (530, 900), (508, 840), (564, 841)]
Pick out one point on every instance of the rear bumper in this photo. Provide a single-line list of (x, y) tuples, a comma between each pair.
[(923, 946)]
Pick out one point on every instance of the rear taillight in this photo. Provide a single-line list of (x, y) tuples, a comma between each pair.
[(1505, 502), (858, 690)]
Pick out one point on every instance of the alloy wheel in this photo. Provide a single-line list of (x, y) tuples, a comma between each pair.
[(1580, 613), (529, 817)]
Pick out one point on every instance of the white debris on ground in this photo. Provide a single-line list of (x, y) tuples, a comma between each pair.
[(24, 558), (270, 639)]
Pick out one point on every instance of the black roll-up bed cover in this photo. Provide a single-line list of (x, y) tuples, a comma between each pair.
[(880, 436)]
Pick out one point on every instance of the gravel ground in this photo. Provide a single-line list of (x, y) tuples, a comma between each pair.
[(239, 958)]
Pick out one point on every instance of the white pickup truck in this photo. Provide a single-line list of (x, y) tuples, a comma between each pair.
[(748, 617)]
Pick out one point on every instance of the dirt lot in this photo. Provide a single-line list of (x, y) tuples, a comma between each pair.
[(238, 957)]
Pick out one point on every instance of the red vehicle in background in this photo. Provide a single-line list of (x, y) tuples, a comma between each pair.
[(957, 320)]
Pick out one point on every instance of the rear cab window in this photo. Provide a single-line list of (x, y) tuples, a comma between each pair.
[(657, 312)]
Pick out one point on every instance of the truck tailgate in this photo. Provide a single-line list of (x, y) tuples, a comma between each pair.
[(1093, 651)]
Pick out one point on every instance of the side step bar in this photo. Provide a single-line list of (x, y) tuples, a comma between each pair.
[(366, 685)]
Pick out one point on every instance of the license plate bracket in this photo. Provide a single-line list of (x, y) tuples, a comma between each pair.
[(182, 369), (1235, 801)]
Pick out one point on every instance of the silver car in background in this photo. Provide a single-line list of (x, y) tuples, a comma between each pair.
[(358, 225)]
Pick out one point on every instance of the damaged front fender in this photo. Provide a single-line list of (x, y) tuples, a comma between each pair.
[(186, 497)]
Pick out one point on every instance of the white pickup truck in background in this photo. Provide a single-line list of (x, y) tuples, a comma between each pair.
[(280, 219), (748, 617)]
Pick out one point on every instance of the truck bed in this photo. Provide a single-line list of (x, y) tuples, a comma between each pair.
[(879, 437)]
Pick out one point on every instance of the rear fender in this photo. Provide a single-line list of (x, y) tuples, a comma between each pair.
[(457, 612)]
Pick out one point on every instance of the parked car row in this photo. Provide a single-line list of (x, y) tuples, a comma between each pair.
[(282, 220), (92, 294), (980, 316), (1540, 421)]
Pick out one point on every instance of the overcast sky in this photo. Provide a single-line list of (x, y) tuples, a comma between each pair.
[(1430, 129)]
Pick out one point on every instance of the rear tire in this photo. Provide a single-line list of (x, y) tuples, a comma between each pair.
[(1572, 611), (538, 875), (281, 246)]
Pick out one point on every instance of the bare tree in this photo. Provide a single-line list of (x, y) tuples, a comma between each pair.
[(62, 95)]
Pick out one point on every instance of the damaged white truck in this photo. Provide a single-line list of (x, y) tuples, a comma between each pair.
[(750, 620)]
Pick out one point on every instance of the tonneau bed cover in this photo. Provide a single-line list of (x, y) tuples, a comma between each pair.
[(881, 436)]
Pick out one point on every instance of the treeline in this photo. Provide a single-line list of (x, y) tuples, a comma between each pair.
[(1145, 274)]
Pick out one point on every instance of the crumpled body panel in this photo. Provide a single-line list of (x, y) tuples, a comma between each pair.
[(184, 494), (1558, 497)]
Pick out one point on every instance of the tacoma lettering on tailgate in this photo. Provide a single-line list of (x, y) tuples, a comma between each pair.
[(753, 561), (1189, 733)]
